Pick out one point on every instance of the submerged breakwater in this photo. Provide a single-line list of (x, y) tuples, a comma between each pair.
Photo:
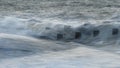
[(82, 33)]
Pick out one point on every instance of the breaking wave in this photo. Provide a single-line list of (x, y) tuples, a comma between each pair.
[(21, 35)]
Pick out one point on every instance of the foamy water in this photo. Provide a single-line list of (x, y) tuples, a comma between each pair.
[(62, 34)]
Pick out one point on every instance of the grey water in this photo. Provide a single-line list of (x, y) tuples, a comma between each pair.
[(23, 25)]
